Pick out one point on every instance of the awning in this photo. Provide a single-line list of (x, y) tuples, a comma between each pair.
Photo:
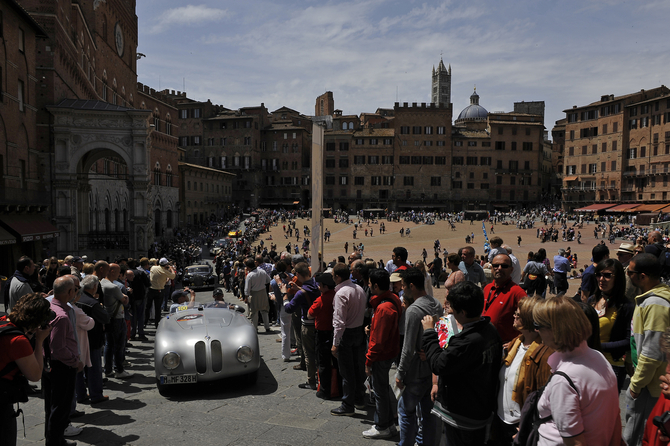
[(569, 178), (29, 227), (623, 207), (6, 238), (650, 207), (594, 207)]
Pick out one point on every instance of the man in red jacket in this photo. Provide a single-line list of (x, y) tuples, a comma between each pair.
[(383, 347), (502, 298)]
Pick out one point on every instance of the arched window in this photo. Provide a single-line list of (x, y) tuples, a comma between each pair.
[(344, 126), (168, 176), (168, 223), (157, 174), (351, 125)]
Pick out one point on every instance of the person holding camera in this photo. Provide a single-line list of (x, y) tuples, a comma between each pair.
[(158, 277), (21, 357)]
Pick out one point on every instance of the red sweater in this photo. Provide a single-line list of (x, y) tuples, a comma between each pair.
[(651, 433), (322, 311), (384, 333), (500, 303)]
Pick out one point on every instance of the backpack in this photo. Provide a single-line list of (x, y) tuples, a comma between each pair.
[(16, 390), (664, 260), (530, 422)]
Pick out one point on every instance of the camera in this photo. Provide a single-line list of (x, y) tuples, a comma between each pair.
[(50, 316), (663, 423)]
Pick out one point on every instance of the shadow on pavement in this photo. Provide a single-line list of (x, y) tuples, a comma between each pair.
[(101, 437), (233, 387)]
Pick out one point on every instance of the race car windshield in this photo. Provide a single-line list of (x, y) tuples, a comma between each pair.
[(200, 269)]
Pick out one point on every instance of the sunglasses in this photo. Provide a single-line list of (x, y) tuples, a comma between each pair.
[(630, 272), (500, 265), (605, 275), (537, 326)]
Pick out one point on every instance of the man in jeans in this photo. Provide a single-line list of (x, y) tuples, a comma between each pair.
[(413, 374), (115, 332), (383, 347), (349, 340)]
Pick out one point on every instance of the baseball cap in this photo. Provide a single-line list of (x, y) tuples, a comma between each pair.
[(395, 277), (77, 260), (217, 292), (326, 279), (178, 294), (163, 261)]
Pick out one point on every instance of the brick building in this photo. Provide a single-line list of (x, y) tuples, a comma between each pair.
[(91, 140), (24, 202), (617, 150), (163, 160)]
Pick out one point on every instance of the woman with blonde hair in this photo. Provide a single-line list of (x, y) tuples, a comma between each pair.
[(524, 370), (587, 412)]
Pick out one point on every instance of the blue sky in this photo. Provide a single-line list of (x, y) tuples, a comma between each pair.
[(368, 52)]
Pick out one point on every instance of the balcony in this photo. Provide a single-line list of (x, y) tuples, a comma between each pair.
[(106, 240)]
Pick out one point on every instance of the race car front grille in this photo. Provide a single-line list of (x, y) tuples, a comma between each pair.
[(198, 280), (200, 357), (217, 356)]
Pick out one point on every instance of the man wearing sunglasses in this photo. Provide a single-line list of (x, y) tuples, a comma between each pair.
[(650, 319), (502, 298)]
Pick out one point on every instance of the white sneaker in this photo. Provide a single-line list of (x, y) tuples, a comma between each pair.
[(123, 375), (374, 433), (72, 431)]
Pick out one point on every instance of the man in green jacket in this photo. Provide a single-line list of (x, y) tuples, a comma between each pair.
[(650, 319)]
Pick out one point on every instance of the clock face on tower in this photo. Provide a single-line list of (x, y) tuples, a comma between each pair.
[(118, 38)]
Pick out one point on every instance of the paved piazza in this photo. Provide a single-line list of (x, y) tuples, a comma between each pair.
[(274, 411)]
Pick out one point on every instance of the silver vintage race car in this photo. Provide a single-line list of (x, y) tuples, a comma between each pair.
[(207, 342)]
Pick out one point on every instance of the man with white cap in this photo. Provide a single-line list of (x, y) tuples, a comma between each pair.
[(158, 276)]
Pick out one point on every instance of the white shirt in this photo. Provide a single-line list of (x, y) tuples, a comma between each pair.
[(508, 409)]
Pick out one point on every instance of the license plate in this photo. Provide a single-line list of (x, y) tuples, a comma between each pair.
[(178, 379)]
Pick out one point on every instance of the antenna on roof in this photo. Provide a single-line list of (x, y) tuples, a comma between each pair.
[(396, 93)]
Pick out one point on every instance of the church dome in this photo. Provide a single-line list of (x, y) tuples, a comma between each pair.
[(474, 111)]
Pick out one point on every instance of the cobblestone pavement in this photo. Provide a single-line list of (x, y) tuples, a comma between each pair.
[(274, 411)]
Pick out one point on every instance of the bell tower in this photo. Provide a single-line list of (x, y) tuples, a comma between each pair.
[(440, 92)]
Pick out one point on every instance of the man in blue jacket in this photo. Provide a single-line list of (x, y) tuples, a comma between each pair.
[(303, 298)]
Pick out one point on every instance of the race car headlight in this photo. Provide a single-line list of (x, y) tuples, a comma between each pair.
[(245, 354), (171, 360)]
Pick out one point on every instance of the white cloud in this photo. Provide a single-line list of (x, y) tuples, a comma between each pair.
[(287, 53), (187, 15)]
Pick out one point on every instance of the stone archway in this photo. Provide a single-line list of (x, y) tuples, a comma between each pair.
[(85, 132)]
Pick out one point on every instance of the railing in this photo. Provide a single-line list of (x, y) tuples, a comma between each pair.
[(107, 240)]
